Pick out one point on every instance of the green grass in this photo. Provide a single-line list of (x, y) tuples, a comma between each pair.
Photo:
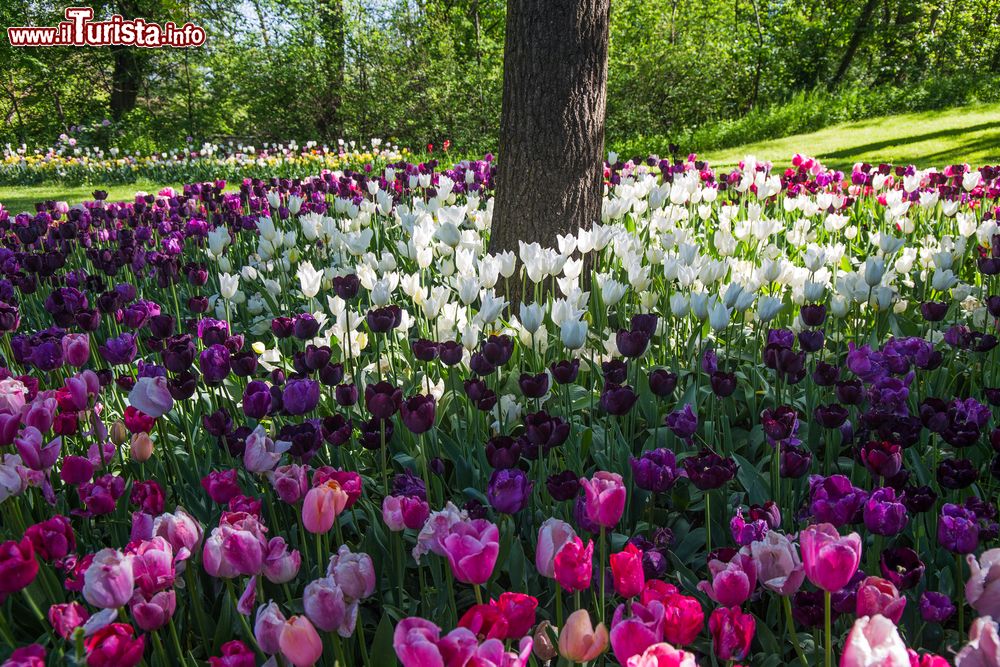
[(18, 198), (930, 138)]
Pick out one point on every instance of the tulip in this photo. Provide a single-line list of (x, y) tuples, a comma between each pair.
[(353, 572), (76, 349), (221, 485), (299, 642), (553, 534), (322, 505), (902, 566), (579, 641), (280, 565), (109, 581), (634, 634), (663, 655), (573, 565), (66, 617), (983, 649), (402, 512), (418, 643), (417, 413), (290, 482), (982, 589), (627, 572), (605, 498), (235, 547), (874, 641), (151, 396), (52, 538), (32, 655), (732, 631), (958, 529), (656, 470), (18, 566), (472, 548), (267, 628), (33, 453), (114, 646), (234, 654), (829, 559), (779, 568), (153, 613), (180, 529), (878, 596), (141, 447), (509, 490), (262, 453), (518, 613), (300, 396), (732, 582)]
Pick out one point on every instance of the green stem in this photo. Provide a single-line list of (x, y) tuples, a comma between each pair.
[(826, 623), (600, 572), (791, 630)]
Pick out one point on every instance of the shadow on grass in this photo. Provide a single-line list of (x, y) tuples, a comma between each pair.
[(901, 142)]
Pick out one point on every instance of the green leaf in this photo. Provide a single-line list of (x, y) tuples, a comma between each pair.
[(382, 653)]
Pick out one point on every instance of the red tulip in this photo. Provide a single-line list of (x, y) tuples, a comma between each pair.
[(626, 569), (732, 631)]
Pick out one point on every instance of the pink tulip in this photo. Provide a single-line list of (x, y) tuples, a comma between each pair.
[(437, 527), (472, 548), (13, 396), (353, 572), (267, 628), (829, 559), (663, 655), (553, 534), (579, 640), (236, 547), (151, 396), (491, 653), (732, 632), (290, 482), (153, 613), (634, 634), (982, 590), (40, 414), (874, 641), (108, 582), (325, 605), (402, 512), (261, 453), (779, 568), (322, 505), (574, 565), (731, 583), (180, 529), (299, 642), (153, 565), (76, 349), (34, 453), (280, 564), (605, 498), (879, 596), (983, 649), (626, 571), (66, 617), (418, 643)]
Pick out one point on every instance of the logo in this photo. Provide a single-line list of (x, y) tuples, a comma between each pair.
[(80, 30)]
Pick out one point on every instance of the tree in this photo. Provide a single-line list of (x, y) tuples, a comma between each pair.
[(550, 173)]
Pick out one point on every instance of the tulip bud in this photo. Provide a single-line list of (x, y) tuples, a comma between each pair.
[(142, 447), (119, 433), (544, 646), (579, 640)]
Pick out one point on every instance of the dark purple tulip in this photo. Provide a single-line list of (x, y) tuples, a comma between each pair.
[(632, 344), (244, 363), (509, 490), (956, 474), (563, 486), (120, 350), (835, 500), (450, 353), (498, 349), (300, 396), (317, 356), (162, 326), (346, 395), (382, 399), (830, 415), (306, 438), (305, 326), (662, 382), (384, 319), (884, 513), (214, 363), (346, 287), (503, 451), (958, 529), (934, 311), (88, 319), (46, 356), (811, 341), (935, 607), (408, 484), (336, 429), (682, 423), (919, 499), (644, 322), (437, 466), (656, 470), (371, 433), (807, 608), (179, 353), (845, 601), (257, 400), (813, 315), (218, 424), (282, 327), (543, 432), (902, 566), (779, 424), (615, 371), (723, 384), (882, 458), (417, 413), (212, 331), (851, 392), (992, 395), (825, 375), (618, 400), (534, 386), (565, 372), (331, 374), (424, 350), (480, 365), (707, 470)]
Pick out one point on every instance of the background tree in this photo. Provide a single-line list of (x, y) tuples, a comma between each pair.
[(552, 121)]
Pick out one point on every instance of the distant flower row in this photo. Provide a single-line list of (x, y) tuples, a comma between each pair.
[(65, 162)]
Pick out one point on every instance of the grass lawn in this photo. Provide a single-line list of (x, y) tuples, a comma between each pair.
[(932, 138), (18, 198)]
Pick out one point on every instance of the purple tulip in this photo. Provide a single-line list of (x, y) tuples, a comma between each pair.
[(884, 513), (300, 397), (707, 470), (958, 529), (509, 490), (656, 470), (417, 413)]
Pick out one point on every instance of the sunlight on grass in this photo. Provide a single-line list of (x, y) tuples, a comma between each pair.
[(18, 198)]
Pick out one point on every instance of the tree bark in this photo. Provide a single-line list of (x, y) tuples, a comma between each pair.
[(860, 29), (332, 29), (550, 174), (129, 65)]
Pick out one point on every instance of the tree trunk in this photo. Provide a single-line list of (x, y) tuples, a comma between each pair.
[(550, 172), (128, 70), (860, 29), (331, 18)]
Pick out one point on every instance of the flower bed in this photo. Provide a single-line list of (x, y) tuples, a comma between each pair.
[(298, 422)]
